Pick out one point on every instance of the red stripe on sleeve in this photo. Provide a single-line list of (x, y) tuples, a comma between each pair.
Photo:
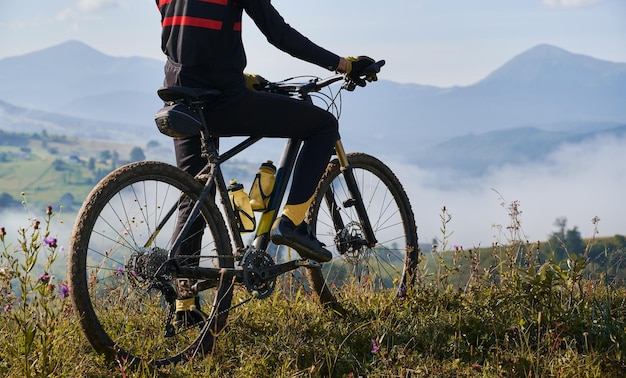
[(164, 2), (220, 2), (192, 21)]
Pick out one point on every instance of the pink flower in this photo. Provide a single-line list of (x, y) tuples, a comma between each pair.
[(45, 277), (65, 291), (50, 241), (375, 347)]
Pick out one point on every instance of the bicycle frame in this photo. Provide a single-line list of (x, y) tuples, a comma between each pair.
[(214, 182), (152, 245)]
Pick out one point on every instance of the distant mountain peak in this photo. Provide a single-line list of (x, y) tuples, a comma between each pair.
[(545, 50), (546, 63), (72, 48)]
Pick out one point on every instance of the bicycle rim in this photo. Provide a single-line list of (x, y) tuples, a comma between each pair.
[(121, 237), (391, 263)]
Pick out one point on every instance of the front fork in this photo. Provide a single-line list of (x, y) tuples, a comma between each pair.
[(355, 199)]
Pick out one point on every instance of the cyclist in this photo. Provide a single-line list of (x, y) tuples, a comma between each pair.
[(204, 49)]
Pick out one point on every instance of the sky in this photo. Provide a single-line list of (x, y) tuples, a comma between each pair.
[(435, 42)]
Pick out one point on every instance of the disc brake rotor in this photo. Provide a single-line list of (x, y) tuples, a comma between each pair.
[(351, 243)]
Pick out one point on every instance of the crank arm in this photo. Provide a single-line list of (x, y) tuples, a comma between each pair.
[(276, 270)]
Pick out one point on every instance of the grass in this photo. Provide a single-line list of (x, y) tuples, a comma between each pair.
[(464, 317)]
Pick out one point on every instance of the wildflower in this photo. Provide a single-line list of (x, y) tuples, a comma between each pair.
[(36, 223), (50, 241), (8, 308), (48, 210), (65, 291), (402, 292), (120, 271), (375, 347), (3, 231), (45, 277)]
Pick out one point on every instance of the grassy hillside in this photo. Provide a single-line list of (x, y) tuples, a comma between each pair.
[(61, 170), (514, 309), (49, 168), (555, 319)]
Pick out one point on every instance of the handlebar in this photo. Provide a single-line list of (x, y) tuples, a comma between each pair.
[(316, 84)]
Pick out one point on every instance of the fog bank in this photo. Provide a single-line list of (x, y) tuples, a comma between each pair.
[(578, 182)]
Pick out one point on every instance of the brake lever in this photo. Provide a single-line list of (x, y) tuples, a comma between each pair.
[(349, 85)]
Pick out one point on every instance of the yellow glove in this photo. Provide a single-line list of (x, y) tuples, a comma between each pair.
[(255, 82), (355, 67)]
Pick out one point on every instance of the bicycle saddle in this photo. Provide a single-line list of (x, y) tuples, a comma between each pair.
[(173, 93)]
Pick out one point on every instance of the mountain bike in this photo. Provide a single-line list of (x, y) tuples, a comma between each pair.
[(125, 274)]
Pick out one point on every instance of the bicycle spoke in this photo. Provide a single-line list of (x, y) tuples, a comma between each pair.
[(375, 267), (123, 237)]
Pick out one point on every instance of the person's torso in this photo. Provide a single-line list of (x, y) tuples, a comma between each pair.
[(202, 40)]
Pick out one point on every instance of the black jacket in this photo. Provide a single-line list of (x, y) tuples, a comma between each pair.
[(202, 40)]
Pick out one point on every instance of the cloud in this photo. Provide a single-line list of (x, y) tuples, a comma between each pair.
[(577, 181), (97, 5), (84, 8), (65, 14), (569, 3)]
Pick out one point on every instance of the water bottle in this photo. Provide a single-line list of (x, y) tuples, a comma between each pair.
[(240, 202), (263, 186)]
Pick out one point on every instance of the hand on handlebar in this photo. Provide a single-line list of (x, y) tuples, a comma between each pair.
[(255, 82), (356, 69)]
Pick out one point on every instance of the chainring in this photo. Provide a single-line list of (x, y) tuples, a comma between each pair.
[(253, 262)]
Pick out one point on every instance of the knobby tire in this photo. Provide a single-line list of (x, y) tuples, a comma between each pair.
[(120, 313), (392, 262)]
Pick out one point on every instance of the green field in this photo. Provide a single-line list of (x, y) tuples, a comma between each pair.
[(55, 170), (61, 171)]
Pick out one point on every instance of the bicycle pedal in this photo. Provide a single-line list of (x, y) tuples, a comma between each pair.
[(308, 263)]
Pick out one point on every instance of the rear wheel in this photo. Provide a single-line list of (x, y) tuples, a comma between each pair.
[(120, 240), (392, 261)]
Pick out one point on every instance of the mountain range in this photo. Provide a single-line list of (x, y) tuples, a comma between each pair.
[(540, 99)]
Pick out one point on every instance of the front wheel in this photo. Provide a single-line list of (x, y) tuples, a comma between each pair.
[(120, 241), (389, 263)]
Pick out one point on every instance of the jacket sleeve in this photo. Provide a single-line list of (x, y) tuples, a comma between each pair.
[(284, 37)]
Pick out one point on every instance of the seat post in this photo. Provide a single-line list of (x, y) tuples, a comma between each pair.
[(209, 144)]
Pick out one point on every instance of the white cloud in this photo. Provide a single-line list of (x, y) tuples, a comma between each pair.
[(65, 14), (578, 182), (97, 5), (84, 8), (569, 3)]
